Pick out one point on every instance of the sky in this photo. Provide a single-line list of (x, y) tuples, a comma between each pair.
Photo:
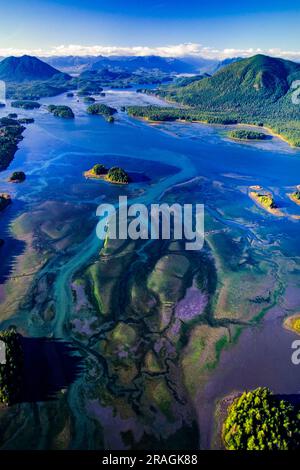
[(211, 28)]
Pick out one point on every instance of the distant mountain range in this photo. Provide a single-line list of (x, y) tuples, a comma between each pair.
[(26, 68)]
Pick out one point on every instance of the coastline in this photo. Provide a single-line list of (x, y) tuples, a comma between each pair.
[(91, 176), (289, 323), (275, 211)]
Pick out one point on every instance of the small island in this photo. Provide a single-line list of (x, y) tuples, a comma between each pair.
[(12, 116), (61, 111), (17, 177), (295, 197), (114, 175), (25, 104), (70, 94), (266, 201), (293, 323), (102, 110), (11, 367), (88, 99), (5, 200), (26, 121), (245, 134)]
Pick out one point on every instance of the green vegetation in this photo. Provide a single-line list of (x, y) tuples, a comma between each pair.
[(161, 113), (258, 420), (5, 200), (10, 136), (255, 91), (101, 109), (26, 121), (117, 175), (25, 104), (296, 195), (244, 134), (11, 371), (99, 169), (266, 200), (110, 119), (61, 111), (17, 177)]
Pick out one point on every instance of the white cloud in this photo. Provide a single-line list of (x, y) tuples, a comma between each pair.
[(175, 50)]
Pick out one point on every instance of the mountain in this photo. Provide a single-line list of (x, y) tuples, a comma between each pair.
[(71, 64), (134, 63), (225, 62), (258, 85), (26, 68)]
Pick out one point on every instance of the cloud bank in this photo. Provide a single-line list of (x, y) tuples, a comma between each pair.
[(175, 50)]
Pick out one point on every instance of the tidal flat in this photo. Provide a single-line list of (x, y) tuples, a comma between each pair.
[(161, 333)]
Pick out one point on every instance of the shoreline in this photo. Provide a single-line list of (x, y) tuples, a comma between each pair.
[(273, 211), (267, 128), (289, 322), (89, 175)]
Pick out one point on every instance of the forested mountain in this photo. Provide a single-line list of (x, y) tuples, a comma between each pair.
[(25, 68)]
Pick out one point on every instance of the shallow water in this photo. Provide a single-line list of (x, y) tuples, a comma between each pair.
[(54, 154)]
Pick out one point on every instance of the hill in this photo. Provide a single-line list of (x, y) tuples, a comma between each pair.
[(249, 85), (26, 68), (257, 90)]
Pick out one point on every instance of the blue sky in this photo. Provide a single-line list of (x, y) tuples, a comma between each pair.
[(223, 28)]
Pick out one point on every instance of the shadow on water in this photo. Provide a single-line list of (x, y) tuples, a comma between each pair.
[(50, 365)]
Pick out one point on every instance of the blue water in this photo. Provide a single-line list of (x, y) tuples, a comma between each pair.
[(55, 153)]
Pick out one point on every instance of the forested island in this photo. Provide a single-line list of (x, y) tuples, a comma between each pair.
[(25, 104), (245, 134), (10, 135), (11, 370), (102, 110), (258, 420), (295, 197), (61, 111), (17, 177), (113, 175), (266, 201)]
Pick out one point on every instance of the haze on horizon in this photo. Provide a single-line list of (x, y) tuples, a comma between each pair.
[(213, 30)]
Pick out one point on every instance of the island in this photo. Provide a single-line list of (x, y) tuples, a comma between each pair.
[(70, 94), (25, 104), (61, 111), (245, 134), (89, 99), (12, 368), (101, 110), (17, 177), (12, 116), (259, 420), (266, 201), (114, 175), (293, 323), (10, 135), (5, 200), (26, 120), (295, 197)]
